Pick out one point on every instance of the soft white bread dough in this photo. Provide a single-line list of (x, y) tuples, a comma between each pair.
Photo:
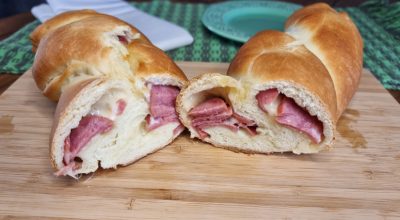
[(241, 95), (126, 142)]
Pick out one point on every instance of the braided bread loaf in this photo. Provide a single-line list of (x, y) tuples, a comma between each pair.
[(116, 91), (284, 91)]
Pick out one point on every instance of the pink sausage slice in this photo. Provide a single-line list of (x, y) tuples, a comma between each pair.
[(88, 127), (292, 115)]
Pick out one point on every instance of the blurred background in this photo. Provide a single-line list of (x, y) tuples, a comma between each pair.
[(16, 13), (12, 7)]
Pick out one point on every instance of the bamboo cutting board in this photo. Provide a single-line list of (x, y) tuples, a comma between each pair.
[(358, 179)]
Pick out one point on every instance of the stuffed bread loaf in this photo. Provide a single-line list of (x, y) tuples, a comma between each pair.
[(116, 91), (284, 91)]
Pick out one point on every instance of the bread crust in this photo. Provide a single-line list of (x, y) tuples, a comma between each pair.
[(78, 49), (56, 22), (336, 41), (274, 56), (147, 60)]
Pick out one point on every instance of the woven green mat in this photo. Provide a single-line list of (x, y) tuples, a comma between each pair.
[(379, 26)]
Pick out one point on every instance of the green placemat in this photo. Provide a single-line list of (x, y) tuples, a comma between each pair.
[(379, 26)]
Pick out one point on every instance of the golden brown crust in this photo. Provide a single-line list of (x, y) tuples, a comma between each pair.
[(56, 22), (146, 60), (334, 38), (274, 56), (315, 35), (78, 50)]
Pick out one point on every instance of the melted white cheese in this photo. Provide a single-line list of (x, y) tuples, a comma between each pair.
[(107, 106), (272, 108)]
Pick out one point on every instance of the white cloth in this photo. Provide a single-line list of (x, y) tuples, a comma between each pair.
[(163, 34)]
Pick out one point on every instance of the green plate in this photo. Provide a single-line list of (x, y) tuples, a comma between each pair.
[(239, 20)]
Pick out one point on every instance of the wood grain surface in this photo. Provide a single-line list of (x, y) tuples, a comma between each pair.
[(358, 179)]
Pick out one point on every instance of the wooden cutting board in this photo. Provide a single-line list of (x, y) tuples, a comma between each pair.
[(358, 179)]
